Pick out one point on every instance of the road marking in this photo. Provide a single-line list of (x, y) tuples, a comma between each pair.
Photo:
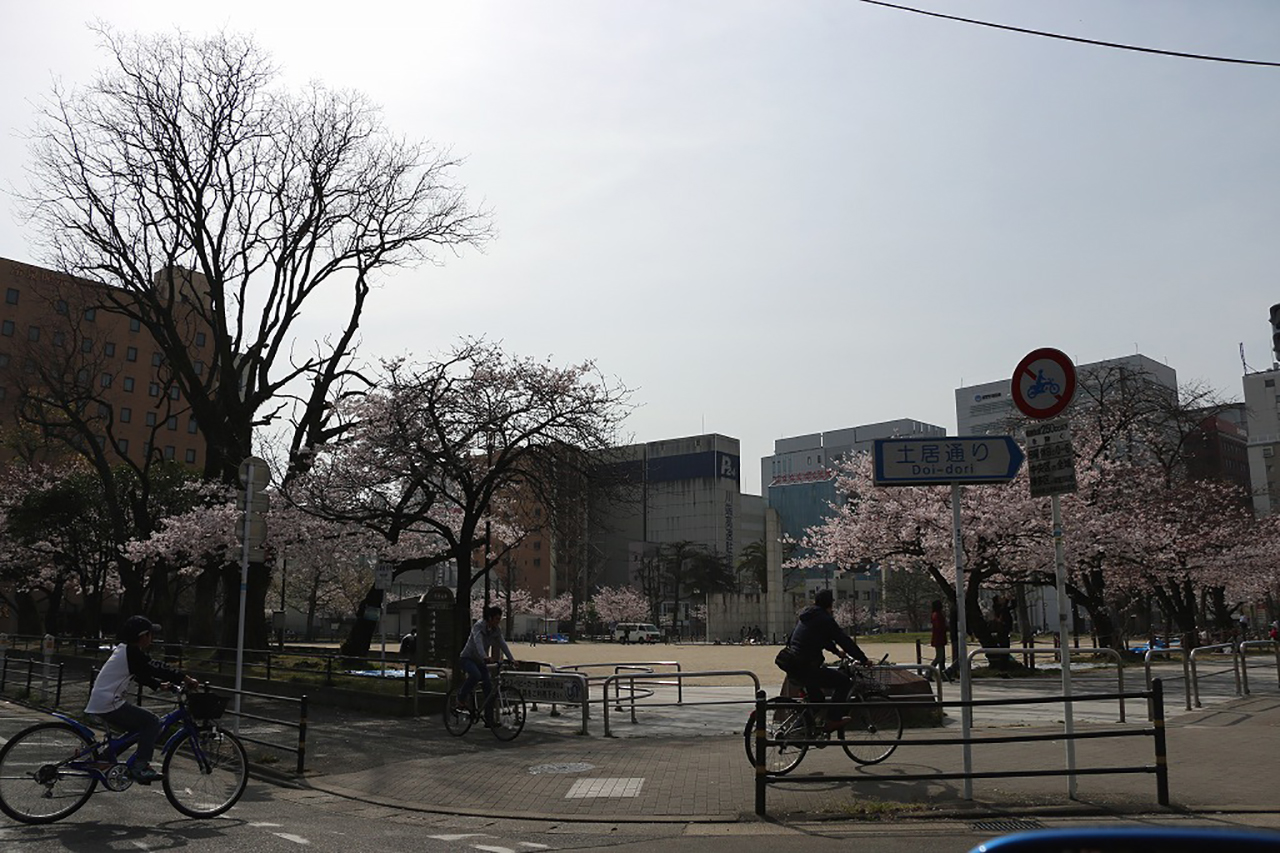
[(587, 788), (459, 837), (263, 825), (296, 839), (488, 848), (534, 846)]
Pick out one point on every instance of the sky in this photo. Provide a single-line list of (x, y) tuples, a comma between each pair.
[(782, 217)]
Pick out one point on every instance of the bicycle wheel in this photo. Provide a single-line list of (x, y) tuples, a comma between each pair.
[(784, 725), (206, 776), (457, 722), (509, 713), (872, 719), (36, 786)]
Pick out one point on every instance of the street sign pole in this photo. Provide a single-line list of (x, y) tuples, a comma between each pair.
[(962, 646), (1064, 647)]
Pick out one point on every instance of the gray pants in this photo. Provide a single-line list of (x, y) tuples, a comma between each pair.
[(131, 718)]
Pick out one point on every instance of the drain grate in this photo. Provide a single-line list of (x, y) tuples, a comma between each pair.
[(1006, 825)]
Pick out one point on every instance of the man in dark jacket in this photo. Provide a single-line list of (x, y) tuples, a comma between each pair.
[(816, 631)]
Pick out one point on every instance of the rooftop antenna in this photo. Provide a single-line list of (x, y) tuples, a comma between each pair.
[(1244, 364)]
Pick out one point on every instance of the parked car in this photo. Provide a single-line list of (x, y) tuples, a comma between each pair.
[(636, 632)]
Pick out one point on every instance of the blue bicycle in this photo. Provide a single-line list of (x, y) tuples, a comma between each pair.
[(49, 770)]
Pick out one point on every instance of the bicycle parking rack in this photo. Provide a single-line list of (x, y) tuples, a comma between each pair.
[(1257, 644), (678, 677), (1154, 697), (1231, 649)]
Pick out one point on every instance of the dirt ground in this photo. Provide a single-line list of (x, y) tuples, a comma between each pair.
[(694, 657)]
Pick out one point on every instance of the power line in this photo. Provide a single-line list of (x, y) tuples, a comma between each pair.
[(1062, 37)]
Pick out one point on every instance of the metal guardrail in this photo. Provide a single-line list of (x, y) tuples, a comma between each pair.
[(32, 664), (679, 677), (1186, 671), (1230, 649), (301, 749), (628, 664), (1258, 644), (1056, 651), (1155, 698)]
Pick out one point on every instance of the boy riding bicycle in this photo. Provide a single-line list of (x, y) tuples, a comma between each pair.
[(816, 630), (128, 663), (482, 648)]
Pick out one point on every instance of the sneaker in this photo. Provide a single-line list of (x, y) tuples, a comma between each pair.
[(143, 776)]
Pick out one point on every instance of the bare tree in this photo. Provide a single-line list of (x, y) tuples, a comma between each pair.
[(215, 202)]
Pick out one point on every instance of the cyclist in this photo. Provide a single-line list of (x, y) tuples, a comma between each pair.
[(482, 649), (128, 663), (816, 630)]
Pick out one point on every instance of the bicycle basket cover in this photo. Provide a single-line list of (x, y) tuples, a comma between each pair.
[(206, 706)]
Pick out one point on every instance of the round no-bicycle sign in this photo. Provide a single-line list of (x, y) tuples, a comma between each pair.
[(1044, 383)]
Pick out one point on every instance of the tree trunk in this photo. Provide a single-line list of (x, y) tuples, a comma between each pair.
[(357, 643)]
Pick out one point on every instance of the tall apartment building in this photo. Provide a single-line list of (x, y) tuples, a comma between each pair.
[(57, 343), (988, 408), (799, 483)]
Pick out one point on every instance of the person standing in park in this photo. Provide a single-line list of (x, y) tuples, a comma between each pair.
[(939, 637)]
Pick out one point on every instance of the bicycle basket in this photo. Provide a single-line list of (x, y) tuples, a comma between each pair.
[(206, 706)]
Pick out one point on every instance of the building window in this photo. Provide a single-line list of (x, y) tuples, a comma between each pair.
[(90, 313), (171, 423), (61, 307), (151, 418), (169, 452), (146, 448), (103, 410), (1268, 383), (106, 380), (122, 445), (6, 328), (131, 354), (33, 333), (59, 338), (156, 359), (126, 415), (192, 426), (128, 383), (153, 389), (537, 561), (199, 339), (199, 368), (173, 393), (109, 348), (11, 296), (86, 345), (537, 545), (191, 456), (134, 325), (4, 359)]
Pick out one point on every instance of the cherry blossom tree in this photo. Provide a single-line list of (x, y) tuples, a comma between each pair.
[(620, 604)]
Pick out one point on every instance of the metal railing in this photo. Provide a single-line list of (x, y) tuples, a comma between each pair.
[(301, 749), (1056, 651), (1155, 697), (679, 677), (1186, 670), (1244, 656), (1228, 648), (31, 665)]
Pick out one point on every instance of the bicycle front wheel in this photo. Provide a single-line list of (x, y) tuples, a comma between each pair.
[(786, 724), (509, 713), (37, 785), (205, 774), (457, 722), (875, 722)]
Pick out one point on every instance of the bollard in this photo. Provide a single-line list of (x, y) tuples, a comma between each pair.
[(302, 734), (1162, 758), (46, 648), (919, 658)]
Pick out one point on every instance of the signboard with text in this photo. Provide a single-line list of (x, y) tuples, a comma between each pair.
[(1051, 461), (943, 461)]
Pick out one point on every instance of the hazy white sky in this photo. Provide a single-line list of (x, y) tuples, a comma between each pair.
[(774, 218)]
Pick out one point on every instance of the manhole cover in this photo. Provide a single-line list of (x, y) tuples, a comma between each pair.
[(1007, 825), (576, 767)]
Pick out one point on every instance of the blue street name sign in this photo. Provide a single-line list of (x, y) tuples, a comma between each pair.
[(943, 461)]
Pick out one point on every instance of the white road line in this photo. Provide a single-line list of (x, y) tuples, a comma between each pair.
[(534, 846), (296, 839), (491, 848), (263, 825), (459, 837)]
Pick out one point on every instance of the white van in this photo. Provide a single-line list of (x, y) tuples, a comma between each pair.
[(636, 632)]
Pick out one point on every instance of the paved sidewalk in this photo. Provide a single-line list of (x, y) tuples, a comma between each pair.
[(665, 774)]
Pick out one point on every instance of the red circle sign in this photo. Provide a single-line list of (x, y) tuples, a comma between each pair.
[(1044, 383)]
